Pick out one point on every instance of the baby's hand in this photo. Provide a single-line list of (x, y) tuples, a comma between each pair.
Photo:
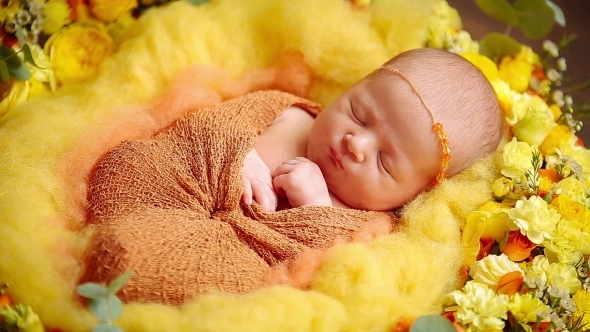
[(302, 182), (257, 181)]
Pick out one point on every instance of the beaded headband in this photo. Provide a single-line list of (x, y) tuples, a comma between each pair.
[(436, 127)]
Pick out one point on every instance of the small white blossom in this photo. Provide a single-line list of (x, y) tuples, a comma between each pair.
[(551, 48), (553, 75), (561, 64)]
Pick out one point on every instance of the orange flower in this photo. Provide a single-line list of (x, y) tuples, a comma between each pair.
[(485, 247), (510, 283), (518, 247)]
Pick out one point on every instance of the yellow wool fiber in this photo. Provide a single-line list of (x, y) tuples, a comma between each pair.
[(360, 287)]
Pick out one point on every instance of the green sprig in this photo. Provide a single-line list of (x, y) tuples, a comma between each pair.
[(104, 303)]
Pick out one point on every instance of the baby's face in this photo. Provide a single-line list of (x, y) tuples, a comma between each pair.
[(375, 144)]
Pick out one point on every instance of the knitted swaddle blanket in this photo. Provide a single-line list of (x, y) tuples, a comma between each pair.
[(169, 208)]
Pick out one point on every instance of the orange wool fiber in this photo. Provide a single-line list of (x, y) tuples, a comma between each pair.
[(193, 88)]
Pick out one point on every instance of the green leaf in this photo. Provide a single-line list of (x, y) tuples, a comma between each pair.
[(9, 57), (4, 74), (500, 10), (197, 2), (432, 323), (535, 18), (21, 72), (20, 35), (106, 328), (559, 17), (99, 308), (29, 55), (115, 307), (116, 285), (92, 290), (496, 45)]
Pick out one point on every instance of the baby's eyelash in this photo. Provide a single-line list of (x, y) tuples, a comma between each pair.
[(356, 118), (382, 164)]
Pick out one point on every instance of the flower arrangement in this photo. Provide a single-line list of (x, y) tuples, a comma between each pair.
[(526, 252)]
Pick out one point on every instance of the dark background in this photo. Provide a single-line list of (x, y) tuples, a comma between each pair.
[(577, 16)]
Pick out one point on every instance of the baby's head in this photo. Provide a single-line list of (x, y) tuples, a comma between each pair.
[(377, 145)]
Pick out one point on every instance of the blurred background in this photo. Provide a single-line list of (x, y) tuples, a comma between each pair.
[(577, 16)]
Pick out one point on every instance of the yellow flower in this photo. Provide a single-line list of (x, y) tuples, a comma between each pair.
[(57, 13), (582, 156), (118, 28), (110, 10), (556, 111), (560, 140), (534, 218), (526, 308), (515, 159), (536, 124), (573, 188), (516, 72), (9, 11), (14, 95), (582, 300), (36, 88), (491, 268), (506, 97), (485, 64), (77, 51), (479, 308), (563, 276), (568, 208), (569, 244), (502, 187)]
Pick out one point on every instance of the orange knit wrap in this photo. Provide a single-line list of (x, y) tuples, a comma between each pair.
[(169, 208)]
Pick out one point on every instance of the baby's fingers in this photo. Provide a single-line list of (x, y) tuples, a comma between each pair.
[(247, 194), (264, 195)]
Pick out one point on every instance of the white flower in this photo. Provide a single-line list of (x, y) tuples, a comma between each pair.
[(479, 307), (551, 48), (490, 269), (535, 219)]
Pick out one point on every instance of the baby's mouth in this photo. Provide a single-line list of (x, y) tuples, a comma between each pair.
[(335, 158)]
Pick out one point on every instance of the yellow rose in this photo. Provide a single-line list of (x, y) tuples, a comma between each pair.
[(15, 94), (487, 66), (516, 71), (560, 140), (111, 10), (506, 97), (502, 187), (515, 159), (568, 208), (77, 51), (556, 111), (489, 221), (536, 124)]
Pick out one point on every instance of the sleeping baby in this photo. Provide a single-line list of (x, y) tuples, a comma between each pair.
[(382, 142), (228, 193)]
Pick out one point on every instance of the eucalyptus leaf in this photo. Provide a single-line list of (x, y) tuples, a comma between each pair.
[(432, 323), (9, 57), (559, 16), (106, 328), (115, 307), (500, 10), (496, 45), (29, 55), (20, 35), (99, 308), (197, 2), (535, 18), (4, 74), (21, 72), (118, 283), (92, 290)]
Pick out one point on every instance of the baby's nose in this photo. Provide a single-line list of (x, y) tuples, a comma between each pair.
[(357, 146)]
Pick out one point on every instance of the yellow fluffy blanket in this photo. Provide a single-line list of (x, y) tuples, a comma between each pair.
[(49, 145)]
